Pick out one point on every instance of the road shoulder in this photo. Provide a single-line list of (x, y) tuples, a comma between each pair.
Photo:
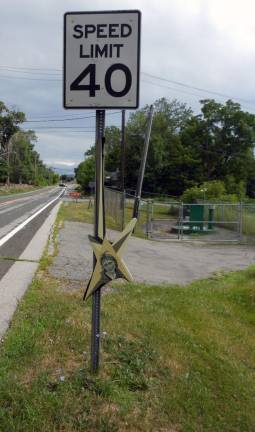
[(14, 283)]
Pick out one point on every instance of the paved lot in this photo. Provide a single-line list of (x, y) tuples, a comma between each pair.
[(149, 261)]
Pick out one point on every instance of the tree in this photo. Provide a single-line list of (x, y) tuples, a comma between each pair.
[(9, 121), (112, 148), (19, 161), (85, 172), (20, 149), (222, 139), (186, 150), (165, 155)]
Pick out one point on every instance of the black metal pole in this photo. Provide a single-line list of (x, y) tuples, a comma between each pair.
[(143, 163), (99, 233), (122, 174), (122, 171)]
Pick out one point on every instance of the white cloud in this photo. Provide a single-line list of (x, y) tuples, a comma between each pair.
[(68, 147), (61, 163)]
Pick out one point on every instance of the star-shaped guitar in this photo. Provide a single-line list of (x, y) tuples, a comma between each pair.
[(109, 264)]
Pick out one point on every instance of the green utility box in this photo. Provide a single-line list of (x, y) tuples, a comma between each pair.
[(196, 217)]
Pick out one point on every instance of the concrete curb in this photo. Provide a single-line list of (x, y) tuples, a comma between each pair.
[(16, 281)]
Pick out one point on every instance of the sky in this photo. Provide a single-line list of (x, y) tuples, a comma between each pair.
[(197, 48)]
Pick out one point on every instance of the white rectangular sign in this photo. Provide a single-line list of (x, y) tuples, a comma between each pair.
[(102, 59)]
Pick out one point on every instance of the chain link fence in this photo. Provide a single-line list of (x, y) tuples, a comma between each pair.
[(212, 222), (248, 222), (115, 206), (204, 221), (119, 210)]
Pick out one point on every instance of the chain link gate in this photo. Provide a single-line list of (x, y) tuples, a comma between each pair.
[(208, 222)]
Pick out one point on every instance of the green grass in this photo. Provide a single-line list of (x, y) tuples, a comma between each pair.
[(76, 212), (13, 190), (173, 359), (80, 212)]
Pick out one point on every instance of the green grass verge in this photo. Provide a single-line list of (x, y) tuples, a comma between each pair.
[(18, 190), (173, 359), (80, 212), (76, 212)]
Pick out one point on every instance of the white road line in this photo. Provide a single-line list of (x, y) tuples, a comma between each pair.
[(24, 202), (20, 197), (8, 236)]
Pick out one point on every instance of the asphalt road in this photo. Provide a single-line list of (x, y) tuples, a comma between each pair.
[(15, 210)]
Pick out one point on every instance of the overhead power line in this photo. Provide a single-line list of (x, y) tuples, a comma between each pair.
[(248, 106), (66, 118), (28, 78), (179, 83), (171, 88), (31, 68), (58, 120), (50, 115), (30, 72), (45, 72), (63, 130), (62, 127)]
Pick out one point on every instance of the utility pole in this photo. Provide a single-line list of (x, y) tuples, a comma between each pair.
[(143, 163)]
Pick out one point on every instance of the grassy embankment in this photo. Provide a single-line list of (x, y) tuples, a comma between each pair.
[(173, 359), (17, 189)]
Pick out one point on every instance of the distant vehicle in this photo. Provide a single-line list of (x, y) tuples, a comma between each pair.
[(62, 185)]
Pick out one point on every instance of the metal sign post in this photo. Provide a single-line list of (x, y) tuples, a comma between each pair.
[(101, 71), (122, 167), (99, 234)]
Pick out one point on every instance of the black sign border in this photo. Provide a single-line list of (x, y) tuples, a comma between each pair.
[(138, 59)]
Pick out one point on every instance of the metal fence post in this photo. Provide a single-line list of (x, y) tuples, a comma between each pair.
[(123, 209), (240, 221), (181, 221), (149, 219)]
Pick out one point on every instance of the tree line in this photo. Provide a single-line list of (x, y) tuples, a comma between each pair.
[(19, 161), (186, 150)]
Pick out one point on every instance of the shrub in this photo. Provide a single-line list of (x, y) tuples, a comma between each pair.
[(214, 190)]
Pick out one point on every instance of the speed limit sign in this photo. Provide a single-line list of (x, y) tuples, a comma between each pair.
[(101, 59)]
